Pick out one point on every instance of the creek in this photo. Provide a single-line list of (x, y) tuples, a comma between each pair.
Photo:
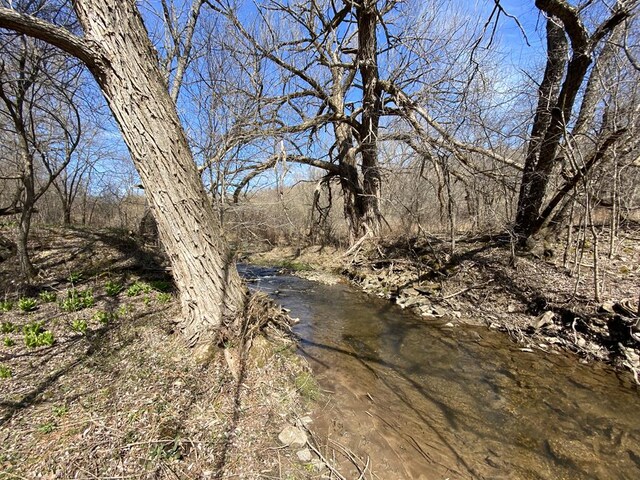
[(418, 399)]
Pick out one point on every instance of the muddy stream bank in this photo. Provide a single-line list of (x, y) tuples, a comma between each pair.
[(419, 399)]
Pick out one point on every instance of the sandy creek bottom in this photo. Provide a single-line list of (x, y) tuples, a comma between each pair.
[(423, 401)]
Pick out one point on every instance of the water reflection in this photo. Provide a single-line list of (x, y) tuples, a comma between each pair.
[(426, 401)]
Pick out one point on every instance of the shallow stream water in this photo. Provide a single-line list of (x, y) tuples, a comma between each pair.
[(420, 400)]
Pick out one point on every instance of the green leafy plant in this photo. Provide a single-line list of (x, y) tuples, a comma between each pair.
[(112, 288), (48, 297), (27, 304), (47, 427), (60, 410), (105, 317), (137, 288), (7, 327), (74, 277), (36, 336), (79, 326), (5, 372), (164, 297), (8, 342), (6, 306), (77, 300)]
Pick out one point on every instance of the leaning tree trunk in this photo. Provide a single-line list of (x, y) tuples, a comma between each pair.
[(211, 293), (557, 49), (536, 178), (119, 54)]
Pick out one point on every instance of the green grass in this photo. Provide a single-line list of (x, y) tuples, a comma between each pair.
[(6, 306), (164, 297), (8, 342), (74, 277), (47, 427), (8, 327), (105, 317), (307, 386), (79, 326), (5, 372), (113, 288), (137, 288)]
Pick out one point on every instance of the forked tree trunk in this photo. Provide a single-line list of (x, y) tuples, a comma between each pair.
[(553, 118), (557, 49), (117, 50)]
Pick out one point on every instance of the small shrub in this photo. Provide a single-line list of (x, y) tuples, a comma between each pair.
[(36, 336), (77, 300), (7, 327), (6, 306), (74, 277), (112, 288), (27, 304), (164, 297), (5, 372), (8, 342), (137, 288), (79, 326), (48, 297)]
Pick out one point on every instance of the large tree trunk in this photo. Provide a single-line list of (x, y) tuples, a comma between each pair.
[(367, 16), (211, 293), (557, 48), (349, 181), (536, 176), (117, 50)]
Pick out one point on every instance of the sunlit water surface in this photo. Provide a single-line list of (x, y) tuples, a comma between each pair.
[(421, 400)]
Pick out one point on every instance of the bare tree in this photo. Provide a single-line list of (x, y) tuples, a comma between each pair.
[(327, 62), (557, 96), (117, 50), (37, 90)]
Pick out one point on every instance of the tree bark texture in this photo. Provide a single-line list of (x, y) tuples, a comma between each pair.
[(557, 49)]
